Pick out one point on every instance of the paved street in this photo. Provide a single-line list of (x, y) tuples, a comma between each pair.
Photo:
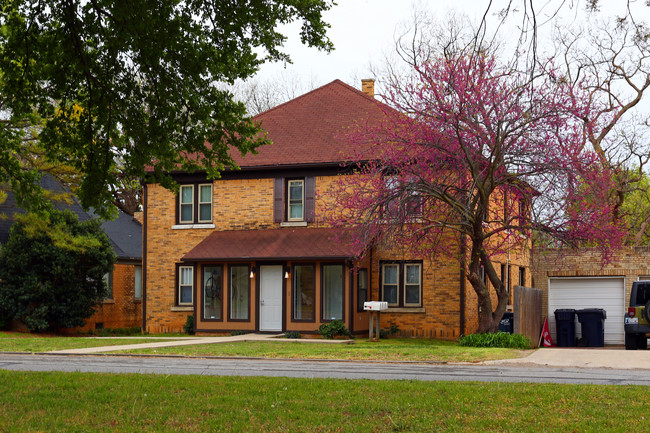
[(323, 369)]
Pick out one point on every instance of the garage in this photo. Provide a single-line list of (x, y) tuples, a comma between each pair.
[(607, 293)]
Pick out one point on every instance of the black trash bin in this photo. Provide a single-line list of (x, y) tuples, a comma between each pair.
[(565, 324), (507, 323), (593, 326)]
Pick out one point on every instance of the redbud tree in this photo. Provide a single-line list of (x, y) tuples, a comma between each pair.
[(472, 159)]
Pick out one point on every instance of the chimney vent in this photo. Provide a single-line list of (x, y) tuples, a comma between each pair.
[(368, 87)]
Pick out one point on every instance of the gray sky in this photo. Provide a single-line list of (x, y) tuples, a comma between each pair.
[(362, 30)]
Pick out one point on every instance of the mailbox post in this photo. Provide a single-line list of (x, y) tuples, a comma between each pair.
[(374, 307)]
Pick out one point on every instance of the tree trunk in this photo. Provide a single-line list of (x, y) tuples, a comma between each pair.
[(489, 316)]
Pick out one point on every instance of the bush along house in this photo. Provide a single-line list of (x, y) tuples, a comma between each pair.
[(252, 251)]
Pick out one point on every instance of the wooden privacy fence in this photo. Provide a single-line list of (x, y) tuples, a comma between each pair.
[(527, 309)]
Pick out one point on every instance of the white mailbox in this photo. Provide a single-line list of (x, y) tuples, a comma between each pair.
[(375, 305)]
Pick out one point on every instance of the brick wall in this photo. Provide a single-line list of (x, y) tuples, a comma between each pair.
[(238, 204), (629, 262), (123, 311), (248, 204)]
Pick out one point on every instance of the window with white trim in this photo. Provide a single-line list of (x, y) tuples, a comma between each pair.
[(195, 204), (401, 284), (186, 204), (296, 200), (412, 284), (205, 203), (185, 285)]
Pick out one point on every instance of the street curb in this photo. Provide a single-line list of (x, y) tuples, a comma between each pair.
[(142, 355)]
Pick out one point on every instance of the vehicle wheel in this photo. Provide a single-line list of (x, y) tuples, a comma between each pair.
[(642, 342), (646, 312), (630, 341)]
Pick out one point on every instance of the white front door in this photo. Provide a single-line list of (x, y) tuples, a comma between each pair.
[(271, 298)]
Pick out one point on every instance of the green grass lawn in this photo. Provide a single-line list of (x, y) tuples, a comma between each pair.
[(33, 343), (74, 402), (398, 349)]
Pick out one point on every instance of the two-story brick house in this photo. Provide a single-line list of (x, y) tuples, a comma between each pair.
[(251, 251)]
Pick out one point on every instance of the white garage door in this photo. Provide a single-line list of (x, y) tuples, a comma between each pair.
[(597, 292)]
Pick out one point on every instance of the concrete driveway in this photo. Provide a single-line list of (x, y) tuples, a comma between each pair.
[(609, 357)]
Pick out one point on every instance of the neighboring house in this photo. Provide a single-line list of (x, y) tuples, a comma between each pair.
[(579, 280), (123, 307), (251, 252)]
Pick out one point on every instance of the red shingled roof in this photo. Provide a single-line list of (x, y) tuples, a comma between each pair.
[(311, 129), (277, 244)]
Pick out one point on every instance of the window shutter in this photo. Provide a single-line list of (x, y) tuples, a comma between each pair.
[(278, 200), (310, 198)]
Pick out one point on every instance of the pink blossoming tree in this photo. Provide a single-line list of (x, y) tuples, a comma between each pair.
[(472, 160)]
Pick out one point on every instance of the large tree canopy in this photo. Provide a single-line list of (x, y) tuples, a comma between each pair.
[(479, 155), (136, 81)]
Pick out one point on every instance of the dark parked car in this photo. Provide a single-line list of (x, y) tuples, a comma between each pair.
[(637, 318)]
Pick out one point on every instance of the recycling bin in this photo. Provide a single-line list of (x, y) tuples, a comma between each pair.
[(592, 321), (565, 324), (507, 323)]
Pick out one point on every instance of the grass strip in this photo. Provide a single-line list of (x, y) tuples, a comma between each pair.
[(72, 402), (399, 349), (47, 344)]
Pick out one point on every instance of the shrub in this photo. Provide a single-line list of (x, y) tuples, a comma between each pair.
[(189, 325), (392, 330), (333, 328), (499, 339), (52, 270), (236, 333), (292, 334)]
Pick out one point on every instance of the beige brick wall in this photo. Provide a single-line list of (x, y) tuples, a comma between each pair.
[(238, 205), (248, 204), (629, 262)]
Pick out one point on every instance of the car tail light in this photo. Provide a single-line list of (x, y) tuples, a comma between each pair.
[(631, 311)]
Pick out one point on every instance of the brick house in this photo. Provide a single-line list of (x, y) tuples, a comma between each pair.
[(122, 308), (250, 251)]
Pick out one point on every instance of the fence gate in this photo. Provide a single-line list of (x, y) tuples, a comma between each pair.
[(528, 312)]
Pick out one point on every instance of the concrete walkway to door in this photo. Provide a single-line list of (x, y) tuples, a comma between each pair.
[(192, 341)]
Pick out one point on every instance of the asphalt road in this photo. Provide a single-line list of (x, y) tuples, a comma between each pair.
[(323, 369)]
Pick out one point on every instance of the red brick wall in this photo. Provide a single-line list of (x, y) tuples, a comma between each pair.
[(123, 311)]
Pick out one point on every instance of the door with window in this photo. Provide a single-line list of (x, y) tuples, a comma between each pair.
[(270, 298)]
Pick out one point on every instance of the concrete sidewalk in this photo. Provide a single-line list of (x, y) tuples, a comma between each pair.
[(192, 341), (615, 357)]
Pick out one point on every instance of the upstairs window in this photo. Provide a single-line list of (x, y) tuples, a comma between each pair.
[(205, 203), (296, 200), (186, 204), (195, 204), (402, 200)]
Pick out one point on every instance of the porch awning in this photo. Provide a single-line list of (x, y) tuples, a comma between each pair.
[(272, 244)]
